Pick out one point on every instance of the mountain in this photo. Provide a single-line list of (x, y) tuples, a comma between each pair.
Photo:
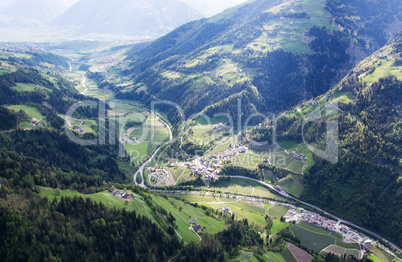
[(211, 7), (42, 11), (139, 18), (269, 54), (276, 55), (365, 184)]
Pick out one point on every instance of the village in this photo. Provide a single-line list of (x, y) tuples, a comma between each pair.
[(349, 235), (206, 167)]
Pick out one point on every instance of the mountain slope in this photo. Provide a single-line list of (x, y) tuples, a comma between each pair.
[(271, 54), (135, 17), (365, 184)]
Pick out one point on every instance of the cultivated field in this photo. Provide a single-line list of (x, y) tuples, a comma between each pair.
[(299, 254), (311, 240)]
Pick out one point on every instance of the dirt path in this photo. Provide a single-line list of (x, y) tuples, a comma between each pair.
[(178, 179), (7, 131), (175, 229)]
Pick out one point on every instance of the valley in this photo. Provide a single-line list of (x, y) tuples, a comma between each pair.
[(268, 132)]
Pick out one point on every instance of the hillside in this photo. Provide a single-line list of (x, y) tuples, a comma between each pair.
[(365, 182), (135, 18), (34, 143), (269, 54)]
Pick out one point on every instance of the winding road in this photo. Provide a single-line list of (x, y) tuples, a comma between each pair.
[(340, 220), (140, 171), (84, 80)]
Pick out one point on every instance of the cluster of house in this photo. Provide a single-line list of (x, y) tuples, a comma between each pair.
[(353, 236), (208, 166), (225, 210), (35, 123), (327, 96), (125, 196), (315, 103), (197, 228), (348, 234), (320, 221), (79, 129), (125, 140), (298, 155)]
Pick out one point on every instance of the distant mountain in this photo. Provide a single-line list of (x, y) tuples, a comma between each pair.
[(140, 18), (38, 10), (211, 7)]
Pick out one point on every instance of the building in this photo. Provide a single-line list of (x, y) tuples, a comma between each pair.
[(127, 196), (116, 193), (192, 221), (197, 229)]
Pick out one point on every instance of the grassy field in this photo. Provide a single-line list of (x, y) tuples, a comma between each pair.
[(243, 187), (311, 240), (150, 135), (106, 198), (315, 229), (85, 124), (278, 226), (223, 145), (29, 110), (374, 258), (337, 236), (287, 33), (210, 120), (293, 184), (21, 87), (192, 198), (340, 251), (382, 256), (277, 211), (32, 112), (212, 225), (187, 176), (177, 172), (181, 211)]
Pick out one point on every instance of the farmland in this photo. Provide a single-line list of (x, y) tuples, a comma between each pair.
[(243, 187), (181, 211), (311, 240), (149, 136)]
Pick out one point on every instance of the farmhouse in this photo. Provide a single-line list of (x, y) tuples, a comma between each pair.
[(226, 210), (127, 196), (192, 221), (198, 229), (116, 193)]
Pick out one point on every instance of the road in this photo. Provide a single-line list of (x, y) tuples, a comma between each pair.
[(140, 171), (280, 192), (340, 220), (175, 229), (84, 80)]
